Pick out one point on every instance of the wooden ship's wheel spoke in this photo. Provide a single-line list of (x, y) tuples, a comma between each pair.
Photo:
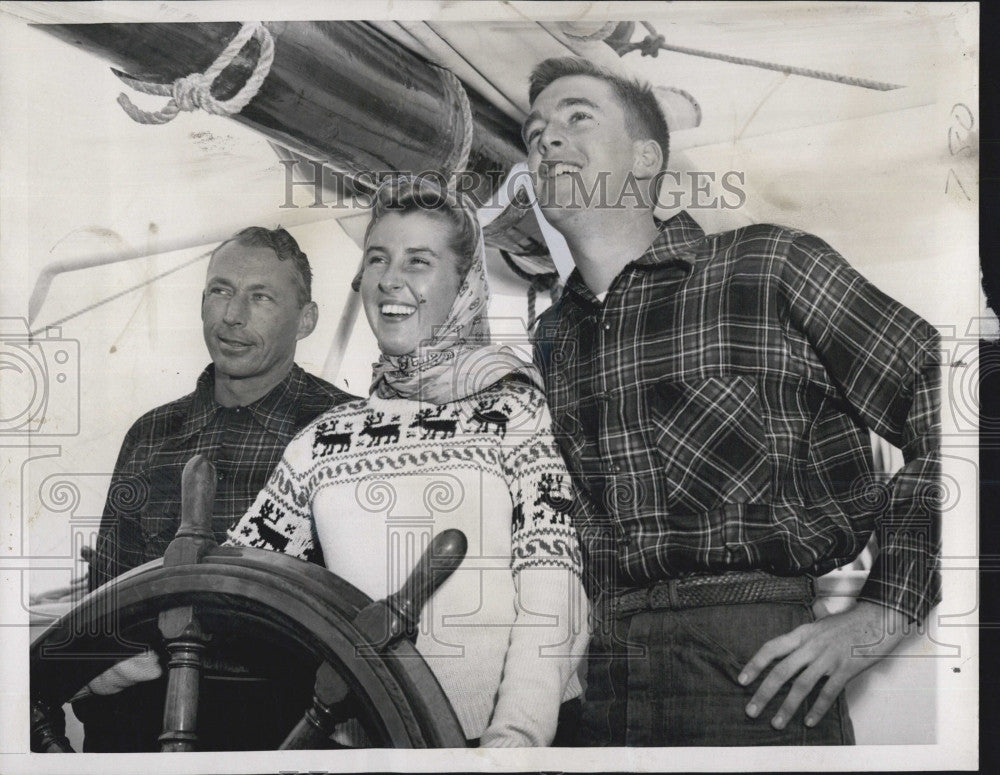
[(218, 614)]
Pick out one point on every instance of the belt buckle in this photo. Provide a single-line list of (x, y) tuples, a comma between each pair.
[(672, 601)]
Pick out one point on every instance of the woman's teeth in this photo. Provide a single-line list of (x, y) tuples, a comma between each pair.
[(397, 310)]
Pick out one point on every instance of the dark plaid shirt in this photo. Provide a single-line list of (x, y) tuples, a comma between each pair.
[(716, 408), (142, 511)]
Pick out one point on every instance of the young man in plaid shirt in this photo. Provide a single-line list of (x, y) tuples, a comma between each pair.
[(714, 395), (247, 406)]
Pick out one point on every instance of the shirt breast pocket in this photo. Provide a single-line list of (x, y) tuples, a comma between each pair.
[(710, 434)]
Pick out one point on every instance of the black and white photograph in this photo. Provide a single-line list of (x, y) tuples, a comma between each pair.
[(477, 386)]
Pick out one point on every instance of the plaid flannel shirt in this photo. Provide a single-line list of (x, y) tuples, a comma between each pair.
[(715, 409), (143, 506)]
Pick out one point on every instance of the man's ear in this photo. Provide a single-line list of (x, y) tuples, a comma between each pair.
[(307, 319), (647, 158)]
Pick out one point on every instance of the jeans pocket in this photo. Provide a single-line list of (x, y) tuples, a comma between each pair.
[(737, 632), (728, 659)]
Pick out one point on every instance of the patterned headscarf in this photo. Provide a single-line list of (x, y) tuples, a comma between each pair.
[(459, 360)]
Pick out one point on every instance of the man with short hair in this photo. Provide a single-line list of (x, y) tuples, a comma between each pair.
[(247, 406), (713, 394)]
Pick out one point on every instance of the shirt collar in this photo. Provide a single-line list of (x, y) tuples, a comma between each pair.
[(675, 245), (274, 411), (203, 405)]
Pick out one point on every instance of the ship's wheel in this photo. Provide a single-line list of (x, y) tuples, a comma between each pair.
[(275, 618)]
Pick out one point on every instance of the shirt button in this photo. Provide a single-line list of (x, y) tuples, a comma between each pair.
[(220, 475), (606, 326), (614, 468)]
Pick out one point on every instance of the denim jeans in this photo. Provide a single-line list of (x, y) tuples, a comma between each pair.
[(668, 678)]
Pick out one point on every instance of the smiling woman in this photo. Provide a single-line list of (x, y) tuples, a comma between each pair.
[(418, 249), (455, 434), (410, 279)]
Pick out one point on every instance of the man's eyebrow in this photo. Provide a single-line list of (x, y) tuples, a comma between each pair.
[(565, 102), (261, 287), (216, 280)]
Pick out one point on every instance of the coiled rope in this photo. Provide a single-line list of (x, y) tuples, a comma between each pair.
[(195, 90)]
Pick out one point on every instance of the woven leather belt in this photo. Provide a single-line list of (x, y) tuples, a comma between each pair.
[(723, 589)]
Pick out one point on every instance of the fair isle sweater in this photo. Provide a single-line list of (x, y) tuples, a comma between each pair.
[(374, 479)]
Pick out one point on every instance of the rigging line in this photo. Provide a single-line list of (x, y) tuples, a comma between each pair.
[(118, 295), (654, 41), (790, 69)]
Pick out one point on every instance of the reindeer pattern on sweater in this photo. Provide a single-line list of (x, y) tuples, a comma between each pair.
[(373, 480), (503, 431)]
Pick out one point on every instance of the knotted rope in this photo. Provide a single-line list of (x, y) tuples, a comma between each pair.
[(195, 90)]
